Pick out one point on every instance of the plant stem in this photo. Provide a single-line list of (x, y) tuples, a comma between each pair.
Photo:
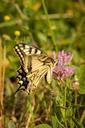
[(65, 104), (49, 25)]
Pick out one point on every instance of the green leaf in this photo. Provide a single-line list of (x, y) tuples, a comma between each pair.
[(81, 77), (43, 126), (54, 121)]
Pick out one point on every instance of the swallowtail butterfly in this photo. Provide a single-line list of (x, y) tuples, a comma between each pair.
[(35, 64)]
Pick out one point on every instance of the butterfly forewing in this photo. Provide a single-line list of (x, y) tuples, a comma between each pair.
[(25, 53), (27, 49)]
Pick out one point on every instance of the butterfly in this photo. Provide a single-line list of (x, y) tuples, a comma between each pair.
[(35, 64)]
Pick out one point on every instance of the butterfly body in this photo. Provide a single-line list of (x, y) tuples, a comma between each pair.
[(35, 64)]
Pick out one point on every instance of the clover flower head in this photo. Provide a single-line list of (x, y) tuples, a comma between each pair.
[(64, 58), (62, 70)]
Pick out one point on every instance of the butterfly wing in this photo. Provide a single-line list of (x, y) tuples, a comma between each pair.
[(39, 70), (25, 53), (35, 63)]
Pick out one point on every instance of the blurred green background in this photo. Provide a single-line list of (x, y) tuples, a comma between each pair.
[(52, 25)]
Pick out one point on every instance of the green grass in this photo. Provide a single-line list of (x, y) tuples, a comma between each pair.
[(52, 25)]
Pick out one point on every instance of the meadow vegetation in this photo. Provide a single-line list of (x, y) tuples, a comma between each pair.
[(53, 26)]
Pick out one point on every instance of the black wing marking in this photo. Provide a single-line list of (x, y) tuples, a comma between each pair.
[(22, 79)]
